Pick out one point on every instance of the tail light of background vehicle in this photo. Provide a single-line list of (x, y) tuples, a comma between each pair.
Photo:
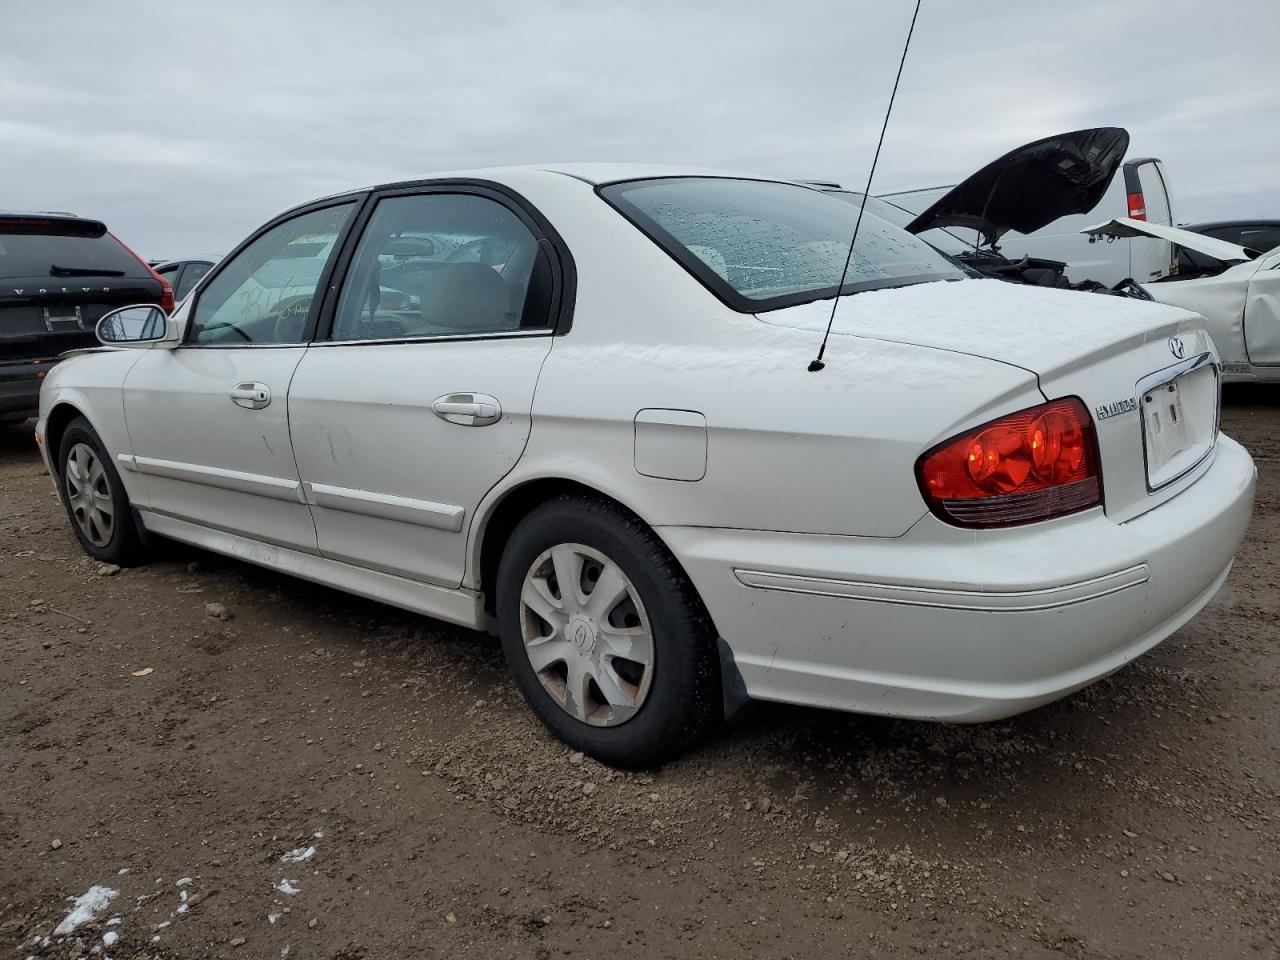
[(167, 302), (1031, 465), (1137, 206)]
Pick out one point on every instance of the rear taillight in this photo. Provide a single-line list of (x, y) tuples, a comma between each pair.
[(1031, 465), (167, 302), (1137, 206)]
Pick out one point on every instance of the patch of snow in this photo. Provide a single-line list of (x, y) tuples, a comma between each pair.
[(273, 917), (122, 871), (87, 906), (113, 922), (298, 855), (286, 887), (109, 938), (184, 882)]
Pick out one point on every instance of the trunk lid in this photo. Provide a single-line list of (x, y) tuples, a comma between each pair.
[(1109, 351)]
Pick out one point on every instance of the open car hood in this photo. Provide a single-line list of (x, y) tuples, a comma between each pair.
[(1209, 246), (1032, 186)]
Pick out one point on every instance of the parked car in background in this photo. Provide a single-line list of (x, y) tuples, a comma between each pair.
[(1034, 201), (183, 275), (1259, 235), (58, 274), (1236, 290), (594, 430)]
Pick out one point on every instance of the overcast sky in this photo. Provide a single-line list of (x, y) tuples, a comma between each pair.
[(186, 125)]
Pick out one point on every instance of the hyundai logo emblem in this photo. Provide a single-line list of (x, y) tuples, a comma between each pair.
[(1177, 347)]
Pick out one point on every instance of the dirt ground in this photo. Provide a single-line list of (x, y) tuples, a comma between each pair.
[(320, 776)]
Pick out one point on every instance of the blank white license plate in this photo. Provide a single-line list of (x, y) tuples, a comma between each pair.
[(1178, 420)]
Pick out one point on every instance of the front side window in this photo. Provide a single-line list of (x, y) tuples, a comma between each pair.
[(760, 245), (443, 264), (264, 294)]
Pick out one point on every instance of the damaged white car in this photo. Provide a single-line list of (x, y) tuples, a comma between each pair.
[(1236, 290)]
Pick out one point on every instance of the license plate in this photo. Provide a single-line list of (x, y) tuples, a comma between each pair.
[(1178, 422), (61, 318)]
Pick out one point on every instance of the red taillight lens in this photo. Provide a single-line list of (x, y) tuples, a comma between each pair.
[(1137, 206), (1031, 465), (167, 301)]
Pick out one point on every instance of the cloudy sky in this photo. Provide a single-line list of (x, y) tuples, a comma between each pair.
[(186, 125)]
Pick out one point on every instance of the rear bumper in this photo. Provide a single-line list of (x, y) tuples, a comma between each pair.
[(959, 625), (20, 386)]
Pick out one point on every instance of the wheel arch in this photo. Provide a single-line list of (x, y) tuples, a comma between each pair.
[(500, 520), (56, 423)]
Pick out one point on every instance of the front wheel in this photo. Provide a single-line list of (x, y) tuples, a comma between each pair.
[(94, 496), (604, 634)]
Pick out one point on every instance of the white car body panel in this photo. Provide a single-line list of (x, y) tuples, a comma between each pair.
[(788, 497), (1240, 305), (392, 485)]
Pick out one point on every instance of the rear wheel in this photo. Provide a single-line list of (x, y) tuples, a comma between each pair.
[(95, 499), (604, 634)]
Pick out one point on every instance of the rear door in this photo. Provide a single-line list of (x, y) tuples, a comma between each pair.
[(1148, 195), (208, 420), (419, 398)]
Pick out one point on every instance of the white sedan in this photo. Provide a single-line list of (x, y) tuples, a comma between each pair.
[(596, 435), (1236, 290)]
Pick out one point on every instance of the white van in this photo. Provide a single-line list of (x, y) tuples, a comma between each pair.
[(1141, 193)]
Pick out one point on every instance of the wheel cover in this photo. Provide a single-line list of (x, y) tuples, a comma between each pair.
[(89, 495), (586, 634)]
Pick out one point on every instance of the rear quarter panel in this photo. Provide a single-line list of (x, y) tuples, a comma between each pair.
[(788, 450)]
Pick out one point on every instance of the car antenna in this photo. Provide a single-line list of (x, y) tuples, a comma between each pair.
[(816, 363)]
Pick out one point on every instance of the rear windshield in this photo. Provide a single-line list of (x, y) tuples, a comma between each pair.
[(761, 245), (33, 249)]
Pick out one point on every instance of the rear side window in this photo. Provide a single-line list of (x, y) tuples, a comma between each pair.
[(759, 245), (34, 248)]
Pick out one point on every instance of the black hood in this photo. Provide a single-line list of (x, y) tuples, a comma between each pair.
[(1032, 186)]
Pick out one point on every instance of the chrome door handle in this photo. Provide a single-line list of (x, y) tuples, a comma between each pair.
[(468, 409), (252, 396)]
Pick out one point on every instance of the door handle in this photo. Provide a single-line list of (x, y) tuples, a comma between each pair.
[(468, 409), (251, 396)]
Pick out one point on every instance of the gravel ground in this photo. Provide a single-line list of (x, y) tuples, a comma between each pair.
[(307, 774)]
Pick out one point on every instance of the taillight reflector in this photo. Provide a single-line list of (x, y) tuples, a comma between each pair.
[(1137, 206), (1031, 465)]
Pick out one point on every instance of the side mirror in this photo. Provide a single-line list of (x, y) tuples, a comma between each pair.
[(141, 324)]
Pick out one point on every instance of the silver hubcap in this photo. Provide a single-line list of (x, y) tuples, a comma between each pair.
[(586, 634), (89, 495)]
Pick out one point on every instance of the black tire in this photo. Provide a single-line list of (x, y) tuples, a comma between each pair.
[(683, 698), (123, 546)]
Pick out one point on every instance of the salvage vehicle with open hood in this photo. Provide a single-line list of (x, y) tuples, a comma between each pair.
[(598, 434), (1019, 217), (1235, 289)]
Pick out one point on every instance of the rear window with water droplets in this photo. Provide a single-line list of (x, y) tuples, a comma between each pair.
[(760, 244)]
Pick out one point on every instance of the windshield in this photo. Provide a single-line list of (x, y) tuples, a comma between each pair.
[(760, 245)]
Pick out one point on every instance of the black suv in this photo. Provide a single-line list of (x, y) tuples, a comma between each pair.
[(58, 274)]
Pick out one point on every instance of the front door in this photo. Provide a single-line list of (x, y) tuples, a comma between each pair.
[(418, 399), (208, 421), (1262, 313)]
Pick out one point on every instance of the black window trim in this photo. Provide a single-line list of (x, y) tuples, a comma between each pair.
[(563, 268), (700, 271), (359, 200)]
